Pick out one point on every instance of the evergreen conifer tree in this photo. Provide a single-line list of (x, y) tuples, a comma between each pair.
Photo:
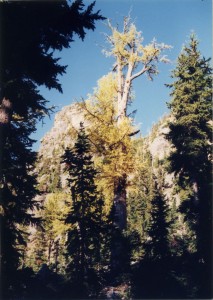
[(190, 134), (37, 29), (157, 245), (85, 215)]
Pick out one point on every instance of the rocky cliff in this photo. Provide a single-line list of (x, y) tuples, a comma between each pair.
[(160, 149), (53, 145)]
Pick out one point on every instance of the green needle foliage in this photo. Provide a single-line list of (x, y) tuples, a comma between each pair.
[(190, 130), (85, 215), (157, 245), (191, 134), (30, 33)]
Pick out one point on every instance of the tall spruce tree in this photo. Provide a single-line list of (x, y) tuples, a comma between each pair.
[(190, 134), (37, 29), (85, 215)]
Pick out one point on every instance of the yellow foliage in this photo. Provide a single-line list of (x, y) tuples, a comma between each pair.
[(56, 208), (110, 130), (150, 52), (125, 44), (17, 117), (112, 145), (128, 49)]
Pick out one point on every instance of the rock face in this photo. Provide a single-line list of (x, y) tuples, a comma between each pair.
[(53, 145), (66, 121), (160, 148)]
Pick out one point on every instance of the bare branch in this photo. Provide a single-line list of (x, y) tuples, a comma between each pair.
[(134, 133), (142, 71)]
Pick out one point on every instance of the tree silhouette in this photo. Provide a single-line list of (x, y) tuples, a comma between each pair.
[(85, 215), (191, 135), (157, 246), (36, 29)]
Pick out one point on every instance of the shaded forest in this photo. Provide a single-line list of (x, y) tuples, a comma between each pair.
[(101, 212)]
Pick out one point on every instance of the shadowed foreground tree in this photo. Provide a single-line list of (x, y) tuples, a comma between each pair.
[(85, 214), (157, 245), (154, 277), (30, 33), (191, 137)]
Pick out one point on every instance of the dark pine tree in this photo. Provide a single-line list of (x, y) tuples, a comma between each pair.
[(85, 216), (157, 245), (154, 277), (191, 135), (30, 33)]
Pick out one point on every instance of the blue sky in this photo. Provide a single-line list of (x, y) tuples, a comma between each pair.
[(169, 21)]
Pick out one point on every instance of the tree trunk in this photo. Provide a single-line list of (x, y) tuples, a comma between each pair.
[(50, 250), (123, 91), (118, 259), (5, 119), (5, 112), (120, 214), (56, 255), (83, 264), (119, 203), (119, 252)]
